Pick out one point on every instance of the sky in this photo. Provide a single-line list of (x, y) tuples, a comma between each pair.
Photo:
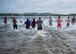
[(40, 6)]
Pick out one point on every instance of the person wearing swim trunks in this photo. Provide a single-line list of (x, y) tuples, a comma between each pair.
[(68, 22), (33, 23), (5, 20), (59, 22), (27, 23), (73, 21), (39, 24), (15, 23), (50, 21)]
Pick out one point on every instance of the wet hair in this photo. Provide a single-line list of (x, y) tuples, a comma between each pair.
[(59, 17), (27, 19), (68, 17), (39, 17), (14, 18), (50, 17), (33, 19)]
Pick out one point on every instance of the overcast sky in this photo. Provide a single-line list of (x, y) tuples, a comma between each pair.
[(40, 6)]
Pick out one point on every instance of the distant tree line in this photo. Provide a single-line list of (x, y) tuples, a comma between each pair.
[(35, 14)]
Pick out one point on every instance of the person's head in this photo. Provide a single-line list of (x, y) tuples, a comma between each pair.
[(33, 19), (50, 17), (27, 19), (58, 17), (68, 17), (39, 18), (14, 18)]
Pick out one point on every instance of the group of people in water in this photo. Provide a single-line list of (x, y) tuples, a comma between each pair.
[(59, 22), (40, 23)]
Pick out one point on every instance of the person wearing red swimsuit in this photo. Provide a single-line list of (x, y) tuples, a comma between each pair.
[(59, 24)]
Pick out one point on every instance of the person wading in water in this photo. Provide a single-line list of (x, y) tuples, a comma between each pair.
[(27, 23), (39, 24), (50, 21), (59, 24), (15, 23), (68, 22), (5, 20), (33, 23)]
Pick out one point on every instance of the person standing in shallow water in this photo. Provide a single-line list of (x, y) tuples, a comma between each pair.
[(27, 24), (15, 23), (59, 24), (39, 24), (33, 23), (5, 20), (50, 21), (73, 21), (68, 22)]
